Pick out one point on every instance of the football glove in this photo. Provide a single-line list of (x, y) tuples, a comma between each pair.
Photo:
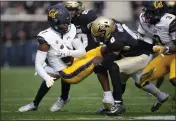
[(64, 53), (160, 49), (50, 83)]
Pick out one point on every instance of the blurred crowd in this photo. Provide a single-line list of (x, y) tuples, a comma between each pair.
[(18, 38)]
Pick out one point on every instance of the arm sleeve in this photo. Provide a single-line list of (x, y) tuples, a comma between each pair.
[(108, 60), (39, 61), (79, 48)]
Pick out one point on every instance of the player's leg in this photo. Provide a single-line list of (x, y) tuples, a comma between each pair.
[(63, 99), (81, 69), (40, 94), (172, 76), (157, 68), (124, 77), (159, 82)]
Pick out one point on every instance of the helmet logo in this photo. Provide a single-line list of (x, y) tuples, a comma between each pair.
[(52, 13), (102, 28), (158, 4)]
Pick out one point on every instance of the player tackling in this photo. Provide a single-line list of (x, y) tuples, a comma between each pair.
[(156, 23)]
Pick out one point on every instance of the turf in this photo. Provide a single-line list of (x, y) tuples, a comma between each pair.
[(19, 86)]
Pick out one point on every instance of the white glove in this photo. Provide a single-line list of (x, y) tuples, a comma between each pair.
[(50, 83), (64, 53)]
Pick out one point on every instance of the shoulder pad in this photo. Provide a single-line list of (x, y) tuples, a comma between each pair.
[(167, 19), (46, 34), (41, 40), (89, 15)]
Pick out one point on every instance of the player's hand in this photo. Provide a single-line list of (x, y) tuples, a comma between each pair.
[(50, 83), (158, 49), (64, 53)]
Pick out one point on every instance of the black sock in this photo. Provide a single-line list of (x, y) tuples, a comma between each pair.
[(65, 90), (123, 88), (41, 93), (116, 82), (159, 82)]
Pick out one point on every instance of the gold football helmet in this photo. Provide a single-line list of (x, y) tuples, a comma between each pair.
[(102, 28), (74, 7)]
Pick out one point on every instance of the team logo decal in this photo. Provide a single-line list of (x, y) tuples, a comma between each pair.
[(52, 13), (158, 4)]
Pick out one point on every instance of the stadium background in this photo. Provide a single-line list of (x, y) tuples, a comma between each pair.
[(20, 23)]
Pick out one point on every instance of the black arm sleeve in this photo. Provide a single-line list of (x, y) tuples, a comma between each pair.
[(144, 45), (108, 60)]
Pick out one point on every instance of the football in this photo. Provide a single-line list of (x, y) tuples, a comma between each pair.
[(68, 60)]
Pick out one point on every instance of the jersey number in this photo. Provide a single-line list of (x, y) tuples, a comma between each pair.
[(85, 11)]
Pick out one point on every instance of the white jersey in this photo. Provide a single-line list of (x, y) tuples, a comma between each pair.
[(160, 30), (57, 42)]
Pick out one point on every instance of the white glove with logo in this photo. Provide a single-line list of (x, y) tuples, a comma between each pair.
[(64, 53), (50, 82)]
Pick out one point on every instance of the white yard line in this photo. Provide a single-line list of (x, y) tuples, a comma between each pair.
[(114, 118), (75, 98)]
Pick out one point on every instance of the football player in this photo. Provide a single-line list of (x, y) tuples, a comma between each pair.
[(156, 23), (120, 42), (57, 42), (80, 17)]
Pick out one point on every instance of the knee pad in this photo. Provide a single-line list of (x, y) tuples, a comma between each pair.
[(173, 81)]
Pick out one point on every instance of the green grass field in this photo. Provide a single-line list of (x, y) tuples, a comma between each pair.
[(19, 86)]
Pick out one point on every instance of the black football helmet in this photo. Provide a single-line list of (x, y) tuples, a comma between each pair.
[(59, 18), (153, 11)]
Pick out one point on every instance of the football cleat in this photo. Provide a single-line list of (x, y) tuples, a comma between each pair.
[(158, 104), (117, 109), (59, 104), (102, 111), (28, 107)]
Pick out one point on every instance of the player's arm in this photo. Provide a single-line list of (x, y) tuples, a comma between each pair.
[(170, 48), (79, 48), (172, 32), (113, 49), (40, 59)]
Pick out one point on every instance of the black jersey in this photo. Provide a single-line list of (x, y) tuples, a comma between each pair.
[(83, 32), (122, 37)]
